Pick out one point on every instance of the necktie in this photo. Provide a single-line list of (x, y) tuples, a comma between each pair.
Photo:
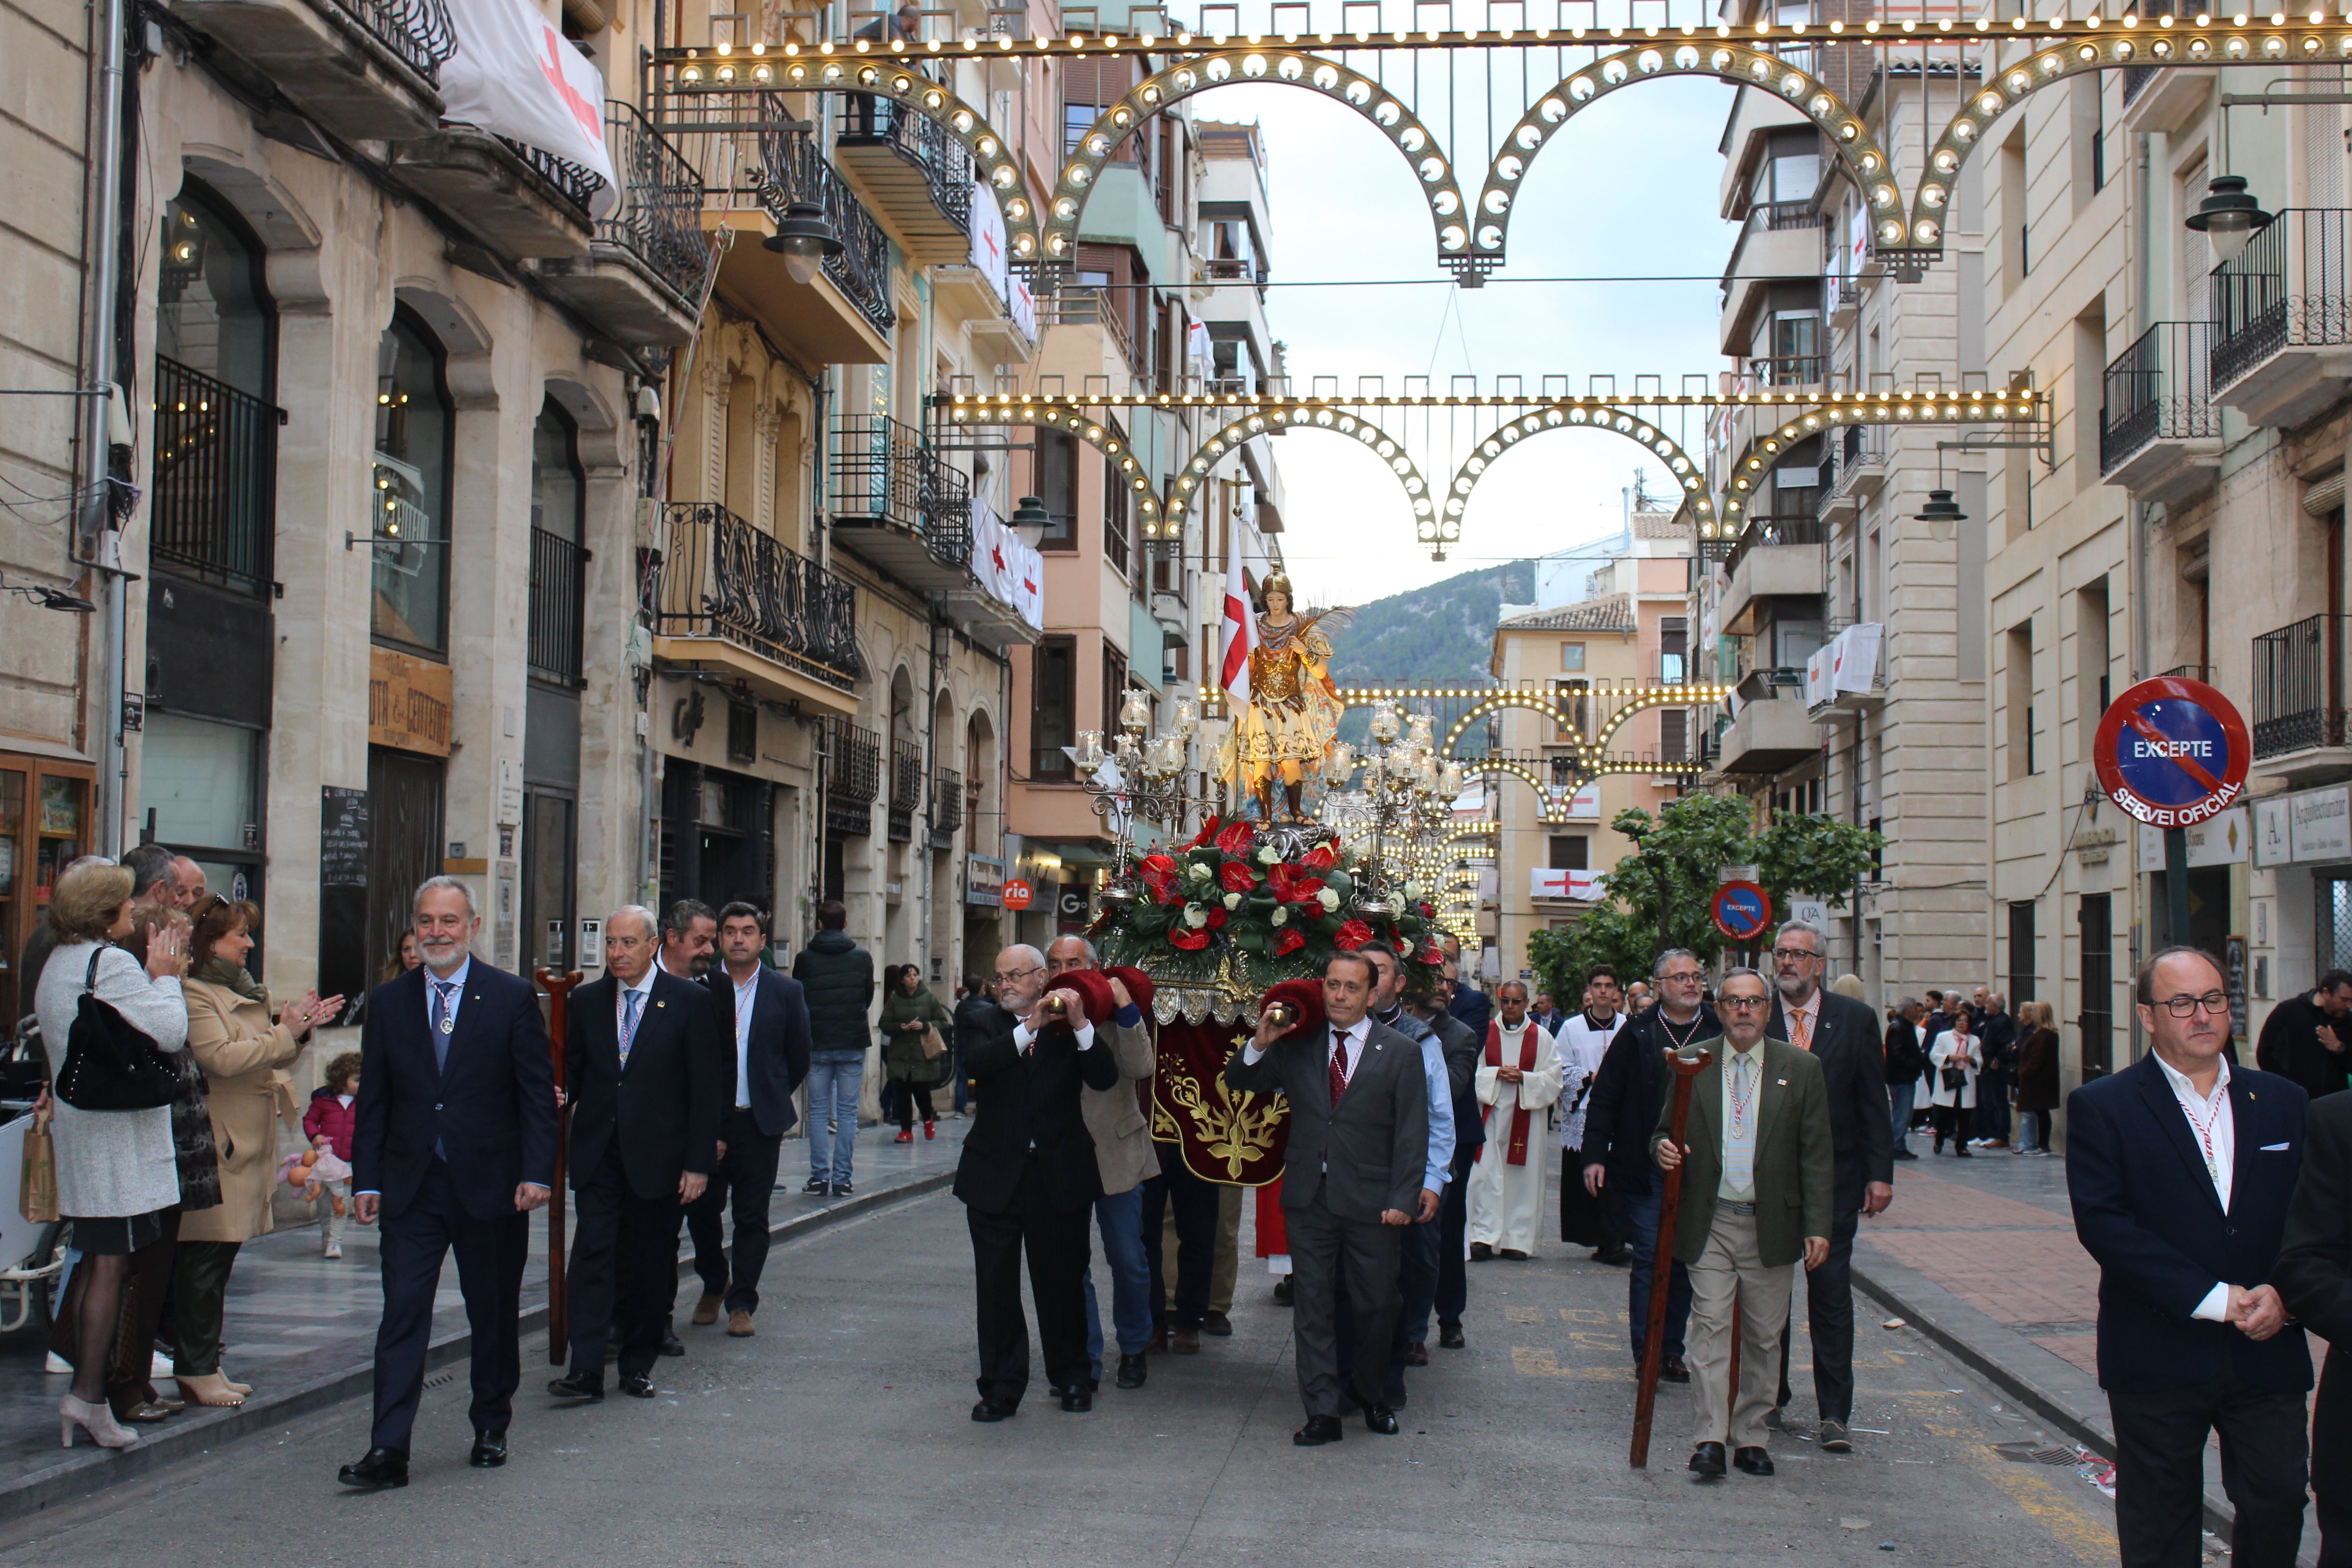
[(1801, 1030), (628, 1023), (441, 1022), (1338, 1064)]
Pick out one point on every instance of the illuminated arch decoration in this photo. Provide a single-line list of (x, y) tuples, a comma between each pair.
[(1221, 67), (1305, 416), (2126, 42), (1577, 416), (1840, 126), (1535, 702), (1594, 764), (896, 77), (1553, 797), (1107, 439), (1756, 460)]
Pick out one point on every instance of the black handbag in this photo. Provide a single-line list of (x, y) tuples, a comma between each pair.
[(112, 1065), (1955, 1078)]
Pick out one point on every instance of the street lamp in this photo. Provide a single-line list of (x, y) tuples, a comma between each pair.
[(805, 240), (1029, 520), (2228, 217), (1406, 789), (1147, 776), (1941, 508)]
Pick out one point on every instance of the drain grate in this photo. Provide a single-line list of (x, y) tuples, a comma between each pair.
[(2036, 1454), (442, 1379)]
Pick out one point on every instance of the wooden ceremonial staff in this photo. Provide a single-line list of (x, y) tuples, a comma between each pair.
[(1661, 1252), (559, 1022)]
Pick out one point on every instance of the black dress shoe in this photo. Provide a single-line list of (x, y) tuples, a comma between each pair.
[(843, 1189), (1219, 1325), (1381, 1419), (1319, 1430), (1754, 1461), (1416, 1353), (1707, 1460), (671, 1345), (1282, 1292), (1513, 1253), (1077, 1399), (1449, 1337), (1618, 1257), (1480, 1252), (816, 1188), (1132, 1371), (587, 1386), (637, 1385), (1674, 1369), (489, 1449), (383, 1468), (990, 1410)]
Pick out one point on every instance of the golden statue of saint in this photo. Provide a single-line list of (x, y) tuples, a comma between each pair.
[(1293, 716)]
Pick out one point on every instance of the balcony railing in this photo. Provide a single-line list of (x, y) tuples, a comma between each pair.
[(1236, 269), (863, 119), (723, 578), (852, 778), (568, 180), (1777, 217), (1785, 370), (1084, 305), (215, 479), (2135, 78), (2288, 289), (886, 472), (796, 171), (557, 584), (947, 806), (659, 218), (2299, 686), (906, 787), (1782, 528), (418, 31), (2159, 389)]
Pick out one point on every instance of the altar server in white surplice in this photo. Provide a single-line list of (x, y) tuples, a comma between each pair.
[(1518, 1080)]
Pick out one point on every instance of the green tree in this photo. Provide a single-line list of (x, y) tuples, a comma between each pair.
[(1816, 855)]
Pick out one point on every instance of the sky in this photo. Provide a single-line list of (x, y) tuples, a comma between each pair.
[(1628, 187)]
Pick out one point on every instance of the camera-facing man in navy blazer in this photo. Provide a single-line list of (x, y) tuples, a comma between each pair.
[(2181, 1168), (454, 1146)]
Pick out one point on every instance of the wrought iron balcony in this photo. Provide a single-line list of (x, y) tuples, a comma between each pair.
[(795, 171), (558, 595), (900, 504), (659, 220), (215, 479), (918, 176), (2283, 317), (722, 578), (366, 69), (947, 807), (417, 31), (2159, 429), (906, 787), (2299, 686), (852, 778)]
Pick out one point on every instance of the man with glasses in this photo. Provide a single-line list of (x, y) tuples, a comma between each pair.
[(1842, 1036), (1755, 1200), (1627, 1095), (2181, 1168), (2305, 1039)]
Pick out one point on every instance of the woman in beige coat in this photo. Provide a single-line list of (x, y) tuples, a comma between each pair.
[(243, 1052)]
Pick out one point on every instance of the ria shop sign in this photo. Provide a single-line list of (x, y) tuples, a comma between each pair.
[(2172, 752)]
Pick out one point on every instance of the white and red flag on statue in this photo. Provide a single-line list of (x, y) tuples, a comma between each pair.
[(1239, 637)]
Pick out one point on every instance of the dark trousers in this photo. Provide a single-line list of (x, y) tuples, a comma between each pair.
[(1058, 1249), (1324, 1248), (2160, 1471), (1829, 1304), (1416, 1290), (915, 1104), (490, 1254), (1992, 1103), (2331, 1474), (1641, 1211), (623, 1270), (1195, 1204), (1452, 1227), (747, 1173), (200, 1271)]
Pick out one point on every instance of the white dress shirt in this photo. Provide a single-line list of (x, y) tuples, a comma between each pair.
[(452, 986), (2212, 1127), (644, 989), (1023, 1040), (746, 993)]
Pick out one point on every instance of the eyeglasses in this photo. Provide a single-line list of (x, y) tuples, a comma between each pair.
[(1681, 978), (1784, 954), (2184, 1007), (1742, 1004), (1020, 974)]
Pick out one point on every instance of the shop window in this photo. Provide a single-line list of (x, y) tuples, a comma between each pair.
[(413, 432)]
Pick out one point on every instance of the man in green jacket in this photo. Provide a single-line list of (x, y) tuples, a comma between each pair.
[(837, 976), (1756, 1196)]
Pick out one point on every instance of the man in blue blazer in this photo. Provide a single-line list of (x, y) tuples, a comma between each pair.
[(2181, 1168), (648, 1078), (454, 1146), (763, 1020)]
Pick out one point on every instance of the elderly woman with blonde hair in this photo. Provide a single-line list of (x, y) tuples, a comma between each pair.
[(118, 1174)]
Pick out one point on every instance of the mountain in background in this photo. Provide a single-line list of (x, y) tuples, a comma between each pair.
[(1440, 635)]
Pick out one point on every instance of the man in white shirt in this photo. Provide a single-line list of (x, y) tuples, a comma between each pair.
[(1518, 1078)]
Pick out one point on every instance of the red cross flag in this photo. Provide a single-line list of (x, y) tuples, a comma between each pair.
[(1239, 637)]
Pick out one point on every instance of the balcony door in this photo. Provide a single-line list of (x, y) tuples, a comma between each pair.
[(550, 762)]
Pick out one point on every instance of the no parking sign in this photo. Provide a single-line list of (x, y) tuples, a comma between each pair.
[(2172, 752), (1741, 910)]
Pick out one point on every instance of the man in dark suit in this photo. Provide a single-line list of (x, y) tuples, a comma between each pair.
[(2305, 1038), (1624, 1106), (635, 1155), (1353, 1177), (1028, 1180), (1842, 1035), (2181, 1169), (2313, 1276), (453, 1147), (763, 1015), (1473, 1007)]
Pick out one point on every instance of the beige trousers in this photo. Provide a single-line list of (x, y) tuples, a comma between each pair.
[(1727, 1271)]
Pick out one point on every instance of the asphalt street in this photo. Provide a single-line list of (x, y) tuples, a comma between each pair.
[(841, 1434)]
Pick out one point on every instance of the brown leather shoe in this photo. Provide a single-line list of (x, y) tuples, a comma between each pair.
[(738, 1325), (706, 1312), (1186, 1342), (1416, 1353)]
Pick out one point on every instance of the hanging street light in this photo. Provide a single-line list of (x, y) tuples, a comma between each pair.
[(805, 240), (1029, 520), (2228, 217)]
